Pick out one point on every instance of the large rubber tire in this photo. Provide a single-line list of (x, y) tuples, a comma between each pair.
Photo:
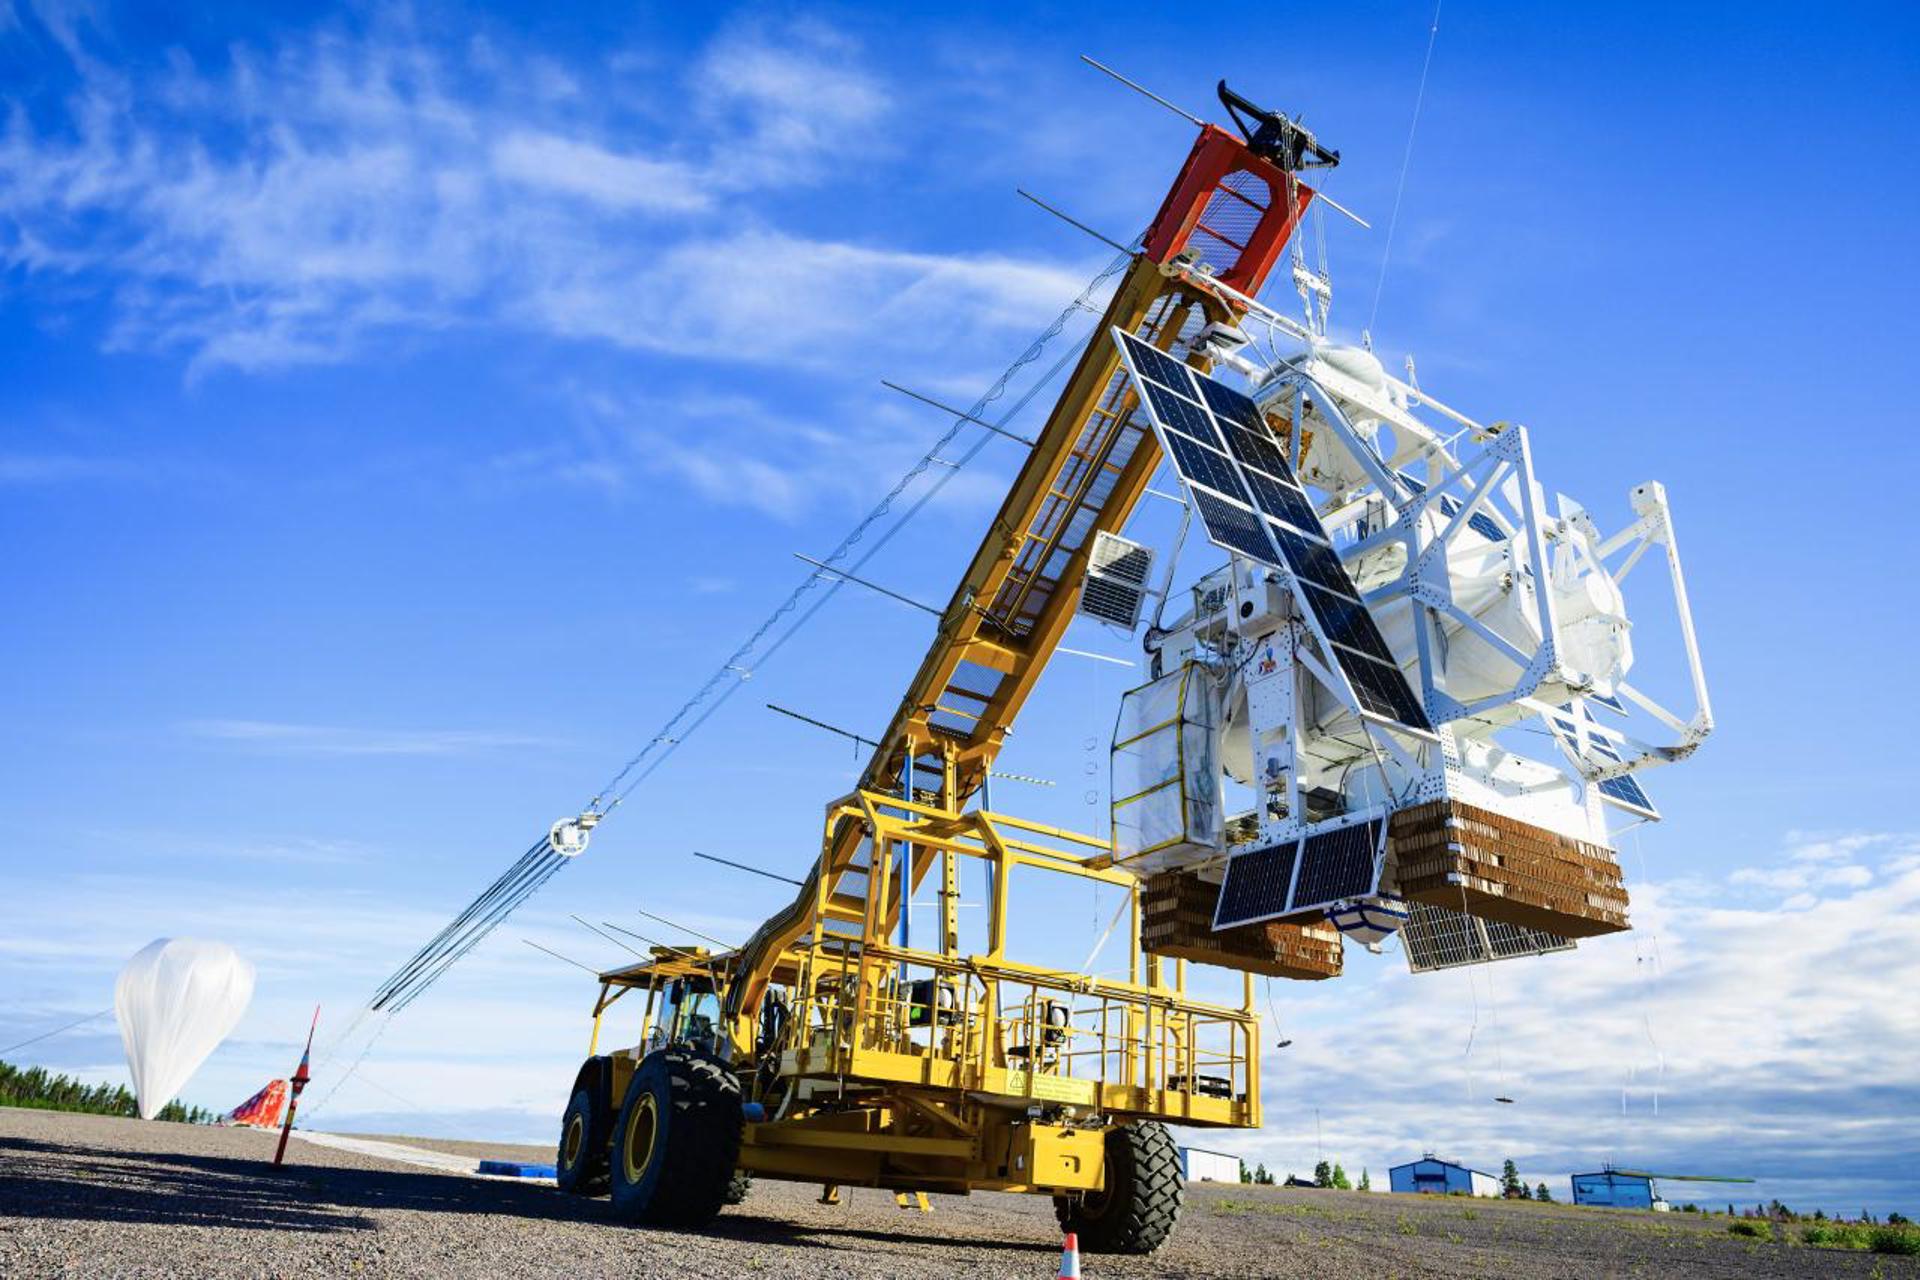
[(676, 1141), (580, 1163), (1137, 1211)]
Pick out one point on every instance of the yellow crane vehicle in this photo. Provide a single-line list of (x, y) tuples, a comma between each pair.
[(832, 1049), (1402, 619)]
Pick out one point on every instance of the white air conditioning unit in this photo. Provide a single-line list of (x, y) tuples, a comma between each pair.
[(1116, 583)]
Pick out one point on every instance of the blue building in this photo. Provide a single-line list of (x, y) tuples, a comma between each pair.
[(1430, 1175), (1612, 1189)]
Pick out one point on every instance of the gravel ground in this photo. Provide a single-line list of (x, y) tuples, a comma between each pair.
[(97, 1196)]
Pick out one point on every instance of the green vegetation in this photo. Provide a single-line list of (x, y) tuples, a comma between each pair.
[(1510, 1185), (1899, 1240), (1895, 1238), (1543, 1195), (1752, 1227), (42, 1090), (1331, 1175)]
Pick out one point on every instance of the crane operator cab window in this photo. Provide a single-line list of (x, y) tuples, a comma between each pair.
[(689, 1013)]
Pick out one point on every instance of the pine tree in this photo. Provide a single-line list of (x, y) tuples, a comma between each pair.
[(1510, 1185), (1261, 1176), (1323, 1174), (1246, 1174), (1366, 1180), (1340, 1182), (1543, 1195)]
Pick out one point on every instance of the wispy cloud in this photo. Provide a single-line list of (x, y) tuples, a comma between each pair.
[(331, 740), (293, 203), (31, 469)]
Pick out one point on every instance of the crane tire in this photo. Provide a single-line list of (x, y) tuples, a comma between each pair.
[(1137, 1211), (677, 1140), (580, 1163)]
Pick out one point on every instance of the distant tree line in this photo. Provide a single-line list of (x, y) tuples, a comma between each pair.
[(43, 1090), (1326, 1174)]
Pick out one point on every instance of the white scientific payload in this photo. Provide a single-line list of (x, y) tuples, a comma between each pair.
[(1410, 702)]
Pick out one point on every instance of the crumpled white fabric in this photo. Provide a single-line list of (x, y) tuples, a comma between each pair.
[(176, 1000)]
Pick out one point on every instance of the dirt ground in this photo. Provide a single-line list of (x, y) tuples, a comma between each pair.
[(97, 1196)]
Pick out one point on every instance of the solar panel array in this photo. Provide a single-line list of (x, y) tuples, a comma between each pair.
[(1301, 875), (1438, 938), (1253, 505), (1624, 791)]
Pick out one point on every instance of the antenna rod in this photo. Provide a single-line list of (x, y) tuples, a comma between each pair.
[(824, 567), (1073, 222), (1340, 209), (609, 937), (822, 724), (961, 414), (1141, 89), (557, 956), (741, 866), (674, 924), (664, 946), (1097, 657)]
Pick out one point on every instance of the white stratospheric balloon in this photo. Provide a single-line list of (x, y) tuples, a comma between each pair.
[(177, 999)]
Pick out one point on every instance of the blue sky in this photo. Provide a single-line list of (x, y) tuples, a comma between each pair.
[(406, 409)]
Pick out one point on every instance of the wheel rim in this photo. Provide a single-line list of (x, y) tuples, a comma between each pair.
[(637, 1150), (576, 1137)]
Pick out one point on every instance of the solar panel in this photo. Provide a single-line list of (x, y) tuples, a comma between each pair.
[(1256, 885), (1337, 865), (1313, 561), (1231, 406), (1281, 501), (1183, 415), (1333, 866), (1623, 792), (1233, 527), (1157, 366), (1626, 792), (1348, 623), (1253, 505), (1439, 938), (1256, 448), (1208, 468)]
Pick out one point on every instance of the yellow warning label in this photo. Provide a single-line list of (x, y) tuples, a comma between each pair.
[(1050, 1088)]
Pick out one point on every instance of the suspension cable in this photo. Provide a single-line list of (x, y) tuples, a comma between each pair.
[(542, 861), (1406, 161)]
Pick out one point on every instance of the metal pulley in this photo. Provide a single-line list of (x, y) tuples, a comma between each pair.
[(569, 835)]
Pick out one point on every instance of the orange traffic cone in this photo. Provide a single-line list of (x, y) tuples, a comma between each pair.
[(1070, 1258)]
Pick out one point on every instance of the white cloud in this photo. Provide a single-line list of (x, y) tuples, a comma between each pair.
[(291, 206), (573, 167), (332, 740)]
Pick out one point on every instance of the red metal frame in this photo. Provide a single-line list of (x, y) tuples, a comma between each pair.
[(1216, 154)]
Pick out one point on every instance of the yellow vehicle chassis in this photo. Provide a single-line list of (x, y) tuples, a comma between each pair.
[(933, 1068)]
